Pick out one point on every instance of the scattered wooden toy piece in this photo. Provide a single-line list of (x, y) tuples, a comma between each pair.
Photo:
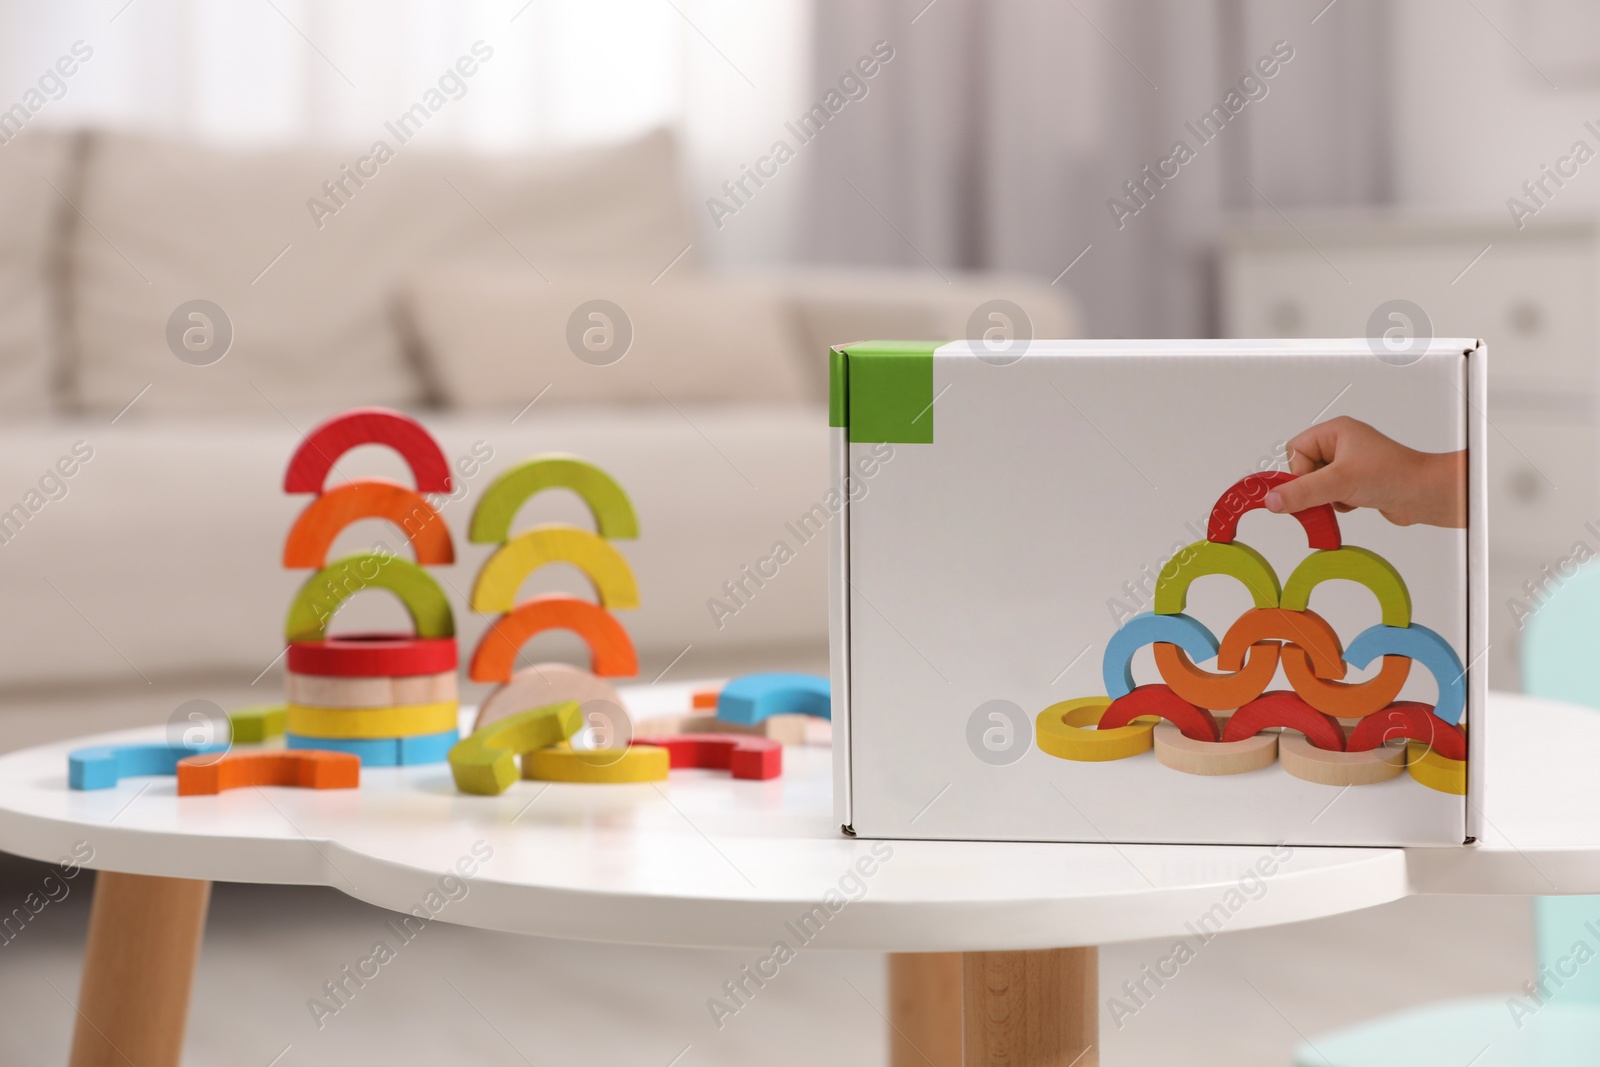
[(1162, 702), (485, 762), (1430, 768), (1235, 559), (322, 447), (1425, 647), (365, 655), (1148, 628), (316, 527), (613, 513), (1250, 492), (682, 723), (784, 729), (610, 647), (755, 697), (1325, 767), (1344, 700), (614, 766), (1069, 730), (325, 591), (333, 691), (743, 756), (383, 751), (1185, 754), (1306, 629), (1218, 692), (399, 720), (1412, 721), (552, 683), (257, 724), (706, 698), (1354, 564), (204, 775), (102, 766), (496, 587), (1284, 708)]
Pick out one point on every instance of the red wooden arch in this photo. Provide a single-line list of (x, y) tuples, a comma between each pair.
[(311, 462), (1284, 708), (1249, 493), (1161, 702)]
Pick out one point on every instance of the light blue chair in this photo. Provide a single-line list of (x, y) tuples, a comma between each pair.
[(1513, 1030)]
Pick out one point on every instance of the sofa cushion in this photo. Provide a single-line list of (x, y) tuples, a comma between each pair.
[(35, 175), (303, 261), (498, 340)]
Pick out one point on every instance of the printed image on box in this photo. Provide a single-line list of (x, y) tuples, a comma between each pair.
[(1063, 611)]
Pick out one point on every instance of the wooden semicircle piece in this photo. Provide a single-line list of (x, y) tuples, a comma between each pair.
[(613, 512), (1148, 628), (610, 647), (1305, 629), (325, 591), (1413, 721), (1236, 559), (1218, 692), (1161, 702), (1355, 564), (1423, 646), (316, 527), (544, 684), (485, 761), (1281, 707), (1321, 523), (322, 447), (496, 587), (1344, 700)]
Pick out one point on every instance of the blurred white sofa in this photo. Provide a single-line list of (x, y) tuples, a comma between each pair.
[(443, 284)]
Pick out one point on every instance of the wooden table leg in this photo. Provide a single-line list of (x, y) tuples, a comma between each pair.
[(144, 940), (1031, 1009), (925, 1009)]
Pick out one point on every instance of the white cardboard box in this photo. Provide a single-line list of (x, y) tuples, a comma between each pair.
[(1007, 515)]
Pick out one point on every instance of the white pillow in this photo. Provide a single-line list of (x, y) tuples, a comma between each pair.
[(497, 341), (315, 328), (30, 164)]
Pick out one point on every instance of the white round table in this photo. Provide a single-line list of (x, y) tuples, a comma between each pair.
[(704, 860)]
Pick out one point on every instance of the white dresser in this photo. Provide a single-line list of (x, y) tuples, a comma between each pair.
[(1532, 296)]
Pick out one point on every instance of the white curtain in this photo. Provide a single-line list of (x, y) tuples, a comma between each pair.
[(1000, 131), (249, 73)]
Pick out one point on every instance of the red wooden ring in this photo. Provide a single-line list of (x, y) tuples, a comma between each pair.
[(1413, 721), (373, 656), (1282, 707), (1160, 701), (1250, 492)]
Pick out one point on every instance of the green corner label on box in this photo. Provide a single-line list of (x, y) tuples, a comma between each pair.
[(883, 391)]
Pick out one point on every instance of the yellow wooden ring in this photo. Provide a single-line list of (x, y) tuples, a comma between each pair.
[(1434, 771), (563, 763), (1067, 731), (1235, 558), (399, 720)]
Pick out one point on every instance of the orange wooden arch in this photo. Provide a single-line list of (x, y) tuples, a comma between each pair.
[(313, 532), (610, 647)]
